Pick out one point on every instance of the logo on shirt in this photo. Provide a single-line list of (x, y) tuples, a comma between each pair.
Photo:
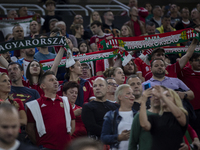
[(43, 105), (61, 104), (84, 89)]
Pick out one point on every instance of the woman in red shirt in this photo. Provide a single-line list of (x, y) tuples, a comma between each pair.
[(71, 90), (4, 95)]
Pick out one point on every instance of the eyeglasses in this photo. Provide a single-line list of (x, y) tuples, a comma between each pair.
[(86, 68), (113, 84)]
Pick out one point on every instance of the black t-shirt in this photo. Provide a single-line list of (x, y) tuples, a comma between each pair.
[(166, 131), (93, 114), (24, 93), (23, 146), (47, 18)]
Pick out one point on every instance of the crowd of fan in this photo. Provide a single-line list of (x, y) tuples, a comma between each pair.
[(101, 99)]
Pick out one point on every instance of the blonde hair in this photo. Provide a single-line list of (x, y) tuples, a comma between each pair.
[(129, 30), (91, 20), (177, 102), (9, 96), (120, 90)]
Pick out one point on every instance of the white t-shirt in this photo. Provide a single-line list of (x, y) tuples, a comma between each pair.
[(125, 124)]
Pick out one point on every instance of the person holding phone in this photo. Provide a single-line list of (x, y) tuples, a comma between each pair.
[(169, 127), (117, 124)]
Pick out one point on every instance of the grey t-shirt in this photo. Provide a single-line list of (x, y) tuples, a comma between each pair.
[(39, 56)]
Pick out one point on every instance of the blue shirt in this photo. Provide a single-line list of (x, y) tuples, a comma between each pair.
[(39, 56), (172, 83)]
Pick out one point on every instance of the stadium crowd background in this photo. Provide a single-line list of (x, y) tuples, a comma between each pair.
[(99, 99)]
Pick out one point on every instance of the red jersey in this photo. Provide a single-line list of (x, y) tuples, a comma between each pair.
[(171, 70), (87, 91), (2, 69), (80, 129), (53, 115), (102, 65), (192, 80), (93, 38), (19, 104), (91, 80), (35, 86)]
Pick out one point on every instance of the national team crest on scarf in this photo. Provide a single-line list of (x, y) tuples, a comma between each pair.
[(61, 104), (84, 89)]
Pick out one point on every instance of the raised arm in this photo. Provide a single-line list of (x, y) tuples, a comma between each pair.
[(176, 111), (183, 61), (57, 60), (144, 123), (3, 61)]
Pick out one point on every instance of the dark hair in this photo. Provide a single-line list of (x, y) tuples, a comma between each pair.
[(194, 56), (106, 12), (69, 85), (184, 8), (85, 142), (110, 71), (50, 2), (43, 76), (98, 23), (67, 74), (155, 60), (13, 63), (81, 42), (156, 50), (75, 27), (156, 6), (132, 76), (52, 20), (6, 38), (56, 29), (150, 23), (166, 16), (22, 7), (28, 74), (135, 67)]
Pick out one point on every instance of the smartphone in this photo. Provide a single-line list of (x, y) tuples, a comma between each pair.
[(57, 33), (147, 86)]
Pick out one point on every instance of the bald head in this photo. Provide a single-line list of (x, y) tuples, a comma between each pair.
[(9, 124), (100, 88)]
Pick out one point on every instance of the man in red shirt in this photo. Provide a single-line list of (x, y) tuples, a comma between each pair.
[(191, 77), (51, 127), (137, 26), (98, 34), (171, 69)]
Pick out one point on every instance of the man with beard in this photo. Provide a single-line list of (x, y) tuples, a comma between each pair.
[(28, 56), (136, 84), (159, 78), (130, 68), (94, 111), (9, 129), (43, 52)]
